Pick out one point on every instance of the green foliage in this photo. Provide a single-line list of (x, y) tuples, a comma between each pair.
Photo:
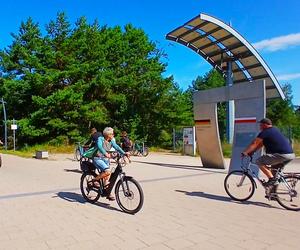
[(284, 115), (77, 76)]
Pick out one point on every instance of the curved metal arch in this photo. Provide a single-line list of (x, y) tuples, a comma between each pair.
[(194, 30)]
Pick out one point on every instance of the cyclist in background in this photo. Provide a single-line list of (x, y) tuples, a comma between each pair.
[(277, 147), (126, 144)]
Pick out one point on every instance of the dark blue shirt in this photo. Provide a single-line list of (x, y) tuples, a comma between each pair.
[(275, 142)]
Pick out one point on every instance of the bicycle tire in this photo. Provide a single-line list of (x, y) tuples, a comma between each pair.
[(0, 161), (289, 200), (126, 197), (246, 186), (77, 154), (89, 194)]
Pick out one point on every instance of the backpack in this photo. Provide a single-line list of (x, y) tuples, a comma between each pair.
[(90, 153)]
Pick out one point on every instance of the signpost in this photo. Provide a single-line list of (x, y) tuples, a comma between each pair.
[(5, 123), (189, 144), (14, 127)]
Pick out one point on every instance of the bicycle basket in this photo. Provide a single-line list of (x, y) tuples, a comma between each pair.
[(87, 166), (90, 152)]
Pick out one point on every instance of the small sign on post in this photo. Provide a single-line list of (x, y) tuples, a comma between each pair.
[(14, 127)]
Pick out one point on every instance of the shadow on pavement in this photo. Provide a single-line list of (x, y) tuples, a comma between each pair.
[(75, 197), (75, 170), (198, 168), (224, 198), (71, 159)]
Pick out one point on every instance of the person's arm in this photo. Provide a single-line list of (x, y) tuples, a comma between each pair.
[(117, 147), (256, 144)]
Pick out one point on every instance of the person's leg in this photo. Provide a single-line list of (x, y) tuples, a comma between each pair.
[(103, 165), (266, 171), (268, 160)]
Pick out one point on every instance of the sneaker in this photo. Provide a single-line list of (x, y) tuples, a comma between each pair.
[(271, 197), (270, 193), (110, 197), (271, 182)]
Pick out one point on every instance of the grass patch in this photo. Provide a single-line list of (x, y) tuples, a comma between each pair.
[(296, 147), (227, 149), (30, 151)]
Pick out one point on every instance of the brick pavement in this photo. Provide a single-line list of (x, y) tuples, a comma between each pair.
[(185, 207)]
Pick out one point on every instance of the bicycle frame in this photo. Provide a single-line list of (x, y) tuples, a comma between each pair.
[(249, 170), (118, 172)]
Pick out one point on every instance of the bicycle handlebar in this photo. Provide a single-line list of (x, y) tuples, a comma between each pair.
[(118, 156)]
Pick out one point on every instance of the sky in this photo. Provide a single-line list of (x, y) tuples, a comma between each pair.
[(273, 27)]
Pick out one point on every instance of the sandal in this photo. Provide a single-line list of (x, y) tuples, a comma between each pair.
[(110, 197), (93, 183)]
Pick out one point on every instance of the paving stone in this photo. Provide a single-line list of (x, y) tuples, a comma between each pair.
[(185, 207)]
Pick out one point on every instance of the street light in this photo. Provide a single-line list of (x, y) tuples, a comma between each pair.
[(5, 123)]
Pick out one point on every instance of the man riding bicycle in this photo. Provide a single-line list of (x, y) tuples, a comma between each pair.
[(277, 147)]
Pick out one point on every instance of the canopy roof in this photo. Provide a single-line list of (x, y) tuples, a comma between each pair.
[(219, 43)]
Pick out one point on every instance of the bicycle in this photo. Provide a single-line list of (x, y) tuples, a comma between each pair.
[(240, 184), (139, 150), (79, 150), (128, 192)]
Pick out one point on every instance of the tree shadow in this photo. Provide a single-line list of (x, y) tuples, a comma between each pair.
[(189, 167), (75, 170), (75, 197), (225, 199)]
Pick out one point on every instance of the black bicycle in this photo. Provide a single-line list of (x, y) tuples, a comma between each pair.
[(128, 192), (240, 184)]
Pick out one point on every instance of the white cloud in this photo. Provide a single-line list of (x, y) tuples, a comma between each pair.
[(278, 43), (287, 77)]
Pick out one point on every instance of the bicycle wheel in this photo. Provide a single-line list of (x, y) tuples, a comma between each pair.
[(145, 152), (129, 195), (77, 154), (288, 196), (0, 161), (239, 185), (89, 193)]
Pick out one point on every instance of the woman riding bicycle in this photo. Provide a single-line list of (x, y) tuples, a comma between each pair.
[(101, 160), (277, 146)]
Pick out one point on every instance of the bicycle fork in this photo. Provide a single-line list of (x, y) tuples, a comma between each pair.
[(125, 186), (241, 180)]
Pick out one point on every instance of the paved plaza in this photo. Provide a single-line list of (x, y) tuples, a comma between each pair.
[(185, 207)]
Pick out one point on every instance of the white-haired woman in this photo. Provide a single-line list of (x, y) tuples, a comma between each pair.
[(101, 161)]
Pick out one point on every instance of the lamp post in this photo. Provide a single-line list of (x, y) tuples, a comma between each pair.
[(5, 123)]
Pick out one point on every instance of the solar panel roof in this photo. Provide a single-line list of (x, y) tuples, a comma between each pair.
[(218, 43)]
